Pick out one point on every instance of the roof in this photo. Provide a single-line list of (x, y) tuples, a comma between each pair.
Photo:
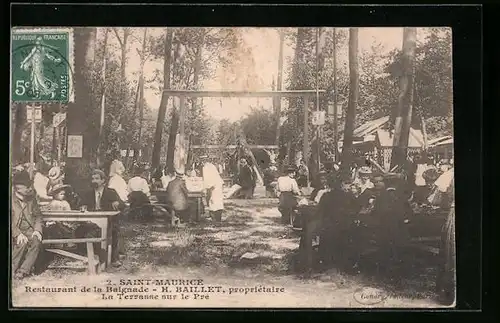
[(443, 143), (370, 127), (439, 140), (416, 139)]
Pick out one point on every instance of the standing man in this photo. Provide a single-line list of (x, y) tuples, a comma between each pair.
[(246, 179), (212, 183), (26, 226), (287, 188), (102, 198), (177, 197)]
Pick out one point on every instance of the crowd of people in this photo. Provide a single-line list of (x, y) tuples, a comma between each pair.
[(367, 206), (114, 190), (363, 196)]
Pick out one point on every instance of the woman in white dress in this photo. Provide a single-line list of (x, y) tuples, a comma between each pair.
[(212, 184), (116, 180)]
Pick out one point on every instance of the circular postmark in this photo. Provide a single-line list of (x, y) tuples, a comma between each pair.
[(369, 296), (41, 67)]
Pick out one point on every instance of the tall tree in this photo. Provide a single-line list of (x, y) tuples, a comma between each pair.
[(140, 88), (174, 126), (77, 169), (353, 99), (405, 99), (296, 106), (19, 117), (279, 84), (123, 41), (162, 111)]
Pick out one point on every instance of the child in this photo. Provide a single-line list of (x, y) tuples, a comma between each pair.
[(59, 203)]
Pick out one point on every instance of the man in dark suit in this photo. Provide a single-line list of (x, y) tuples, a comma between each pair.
[(177, 196), (26, 226), (102, 198)]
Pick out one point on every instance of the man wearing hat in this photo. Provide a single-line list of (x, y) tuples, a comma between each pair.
[(177, 196), (365, 188), (26, 226)]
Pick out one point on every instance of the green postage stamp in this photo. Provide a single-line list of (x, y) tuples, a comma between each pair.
[(42, 65)]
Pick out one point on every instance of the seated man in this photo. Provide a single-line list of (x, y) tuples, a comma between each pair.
[(102, 198), (177, 196), (26, 226)]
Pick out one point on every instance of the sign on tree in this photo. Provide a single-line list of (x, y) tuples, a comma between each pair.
[(318, 118)]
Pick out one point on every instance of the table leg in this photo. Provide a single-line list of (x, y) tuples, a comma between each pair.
[(198, 209), (109, 241), (103, 225)]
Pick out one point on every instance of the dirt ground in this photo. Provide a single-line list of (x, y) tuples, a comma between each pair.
[(213, 253)]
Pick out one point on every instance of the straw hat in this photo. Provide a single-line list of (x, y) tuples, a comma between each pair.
[(54, 173), (365, 170), (180, 171)]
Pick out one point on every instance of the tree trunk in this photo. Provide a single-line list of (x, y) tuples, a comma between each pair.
[(102, 119), (123, 46), (140, 103), (162, 111), (77, 169), (335, 106), (19, 120), (279, 85), (352, 101), (174, 126), (295, 103), (405, 99)]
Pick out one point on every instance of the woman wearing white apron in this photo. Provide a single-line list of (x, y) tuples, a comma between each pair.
[(212, 184)]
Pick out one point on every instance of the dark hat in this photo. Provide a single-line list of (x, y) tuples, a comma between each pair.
[(21, 178), (56, 189), (392, 178), (430, 175)]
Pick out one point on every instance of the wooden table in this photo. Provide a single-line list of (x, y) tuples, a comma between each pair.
[(196, 196), (101, 218)]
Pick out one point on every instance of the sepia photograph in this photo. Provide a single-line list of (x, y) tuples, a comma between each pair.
[(232, 167)]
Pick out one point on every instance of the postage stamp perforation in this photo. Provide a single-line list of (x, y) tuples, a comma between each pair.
[(67, 59)]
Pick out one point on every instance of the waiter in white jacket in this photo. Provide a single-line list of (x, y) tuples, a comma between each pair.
[(212, 184)]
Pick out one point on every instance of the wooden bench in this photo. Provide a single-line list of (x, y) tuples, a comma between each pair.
[(92, 260)]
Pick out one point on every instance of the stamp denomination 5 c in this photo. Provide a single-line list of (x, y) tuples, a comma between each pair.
[(41, 65)]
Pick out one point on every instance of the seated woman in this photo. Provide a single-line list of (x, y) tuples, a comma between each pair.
[(421, 193), (318, 192), (139, 195)]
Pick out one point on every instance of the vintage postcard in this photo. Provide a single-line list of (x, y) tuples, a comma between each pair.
[(232, 167)]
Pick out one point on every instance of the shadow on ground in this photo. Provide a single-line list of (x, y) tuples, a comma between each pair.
[(244, 239)]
